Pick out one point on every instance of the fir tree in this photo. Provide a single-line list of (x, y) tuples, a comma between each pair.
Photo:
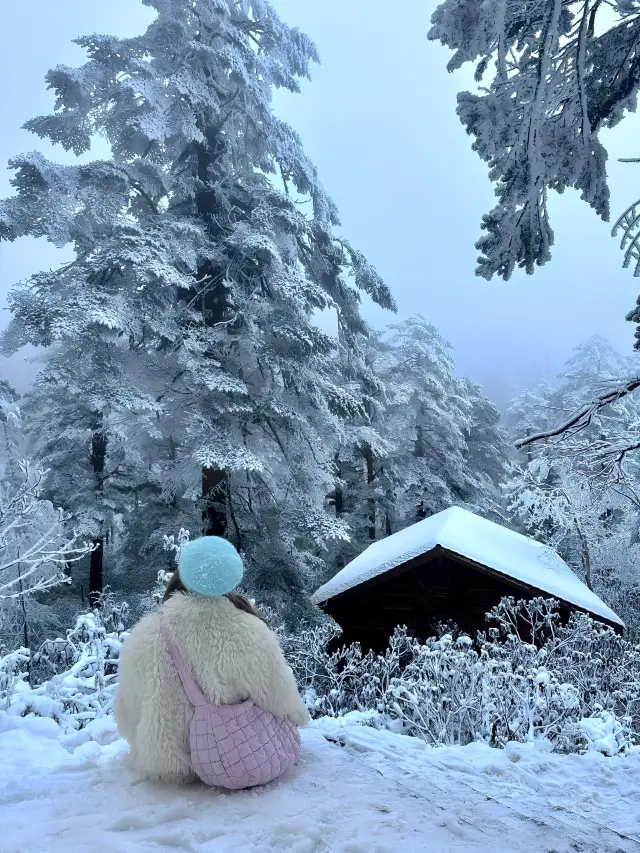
[(432, 440), (203, 248), (563, 71), (580, 496)]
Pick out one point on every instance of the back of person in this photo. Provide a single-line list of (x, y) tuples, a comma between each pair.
[(227, 648)]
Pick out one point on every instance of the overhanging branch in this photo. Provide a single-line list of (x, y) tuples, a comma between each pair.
[(583, 417)]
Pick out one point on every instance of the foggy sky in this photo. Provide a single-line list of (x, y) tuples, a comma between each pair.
[(379, 122)]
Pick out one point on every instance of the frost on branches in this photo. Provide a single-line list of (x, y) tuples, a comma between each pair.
[(182, 333), (551, 75), (581, 495), (576, 686), (71, 680), (562, 71), (35, 549), (526, 677)]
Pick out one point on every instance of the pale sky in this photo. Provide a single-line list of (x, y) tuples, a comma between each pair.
[(379, 122)]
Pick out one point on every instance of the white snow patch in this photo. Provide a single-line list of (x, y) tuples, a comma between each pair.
[(357, 790), (464, 533), (603, 732)]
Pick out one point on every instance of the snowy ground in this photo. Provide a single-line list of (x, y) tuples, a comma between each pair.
[(357, 791)]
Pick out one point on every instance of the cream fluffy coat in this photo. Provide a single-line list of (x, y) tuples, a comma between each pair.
[(232, 655)]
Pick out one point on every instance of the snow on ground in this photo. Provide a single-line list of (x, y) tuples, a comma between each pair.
[(357, 790)]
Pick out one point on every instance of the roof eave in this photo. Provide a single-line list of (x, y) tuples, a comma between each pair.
[(438, 550)]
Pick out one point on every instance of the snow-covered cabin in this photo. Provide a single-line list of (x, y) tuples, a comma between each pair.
[(451, 566)]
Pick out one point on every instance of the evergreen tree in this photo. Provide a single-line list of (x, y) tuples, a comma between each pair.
[(487, 454), (36, 550), (580, 496), (432, 439), (551, 76), (427, 417), (203, 249), (91, 426), (531, 412), (563, 71)]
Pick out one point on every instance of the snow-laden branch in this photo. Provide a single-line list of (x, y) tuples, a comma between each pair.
[(583, 417), (35, 548), (629, 224), (550, 76)]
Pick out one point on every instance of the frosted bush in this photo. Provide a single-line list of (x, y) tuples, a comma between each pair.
[(605, 733), (526, 677), (13, 671), (72, 679)]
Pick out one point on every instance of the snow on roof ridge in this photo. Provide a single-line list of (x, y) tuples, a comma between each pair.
[(469, 535)]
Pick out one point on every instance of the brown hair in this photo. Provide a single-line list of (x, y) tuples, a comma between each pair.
[(175, 585)]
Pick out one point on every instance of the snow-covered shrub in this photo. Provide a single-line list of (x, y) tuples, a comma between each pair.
[(175, 544), (527, 676), (150, 602), (438, 694), (13, 670), (602, 667), (605, 733), (71, 679), (346, 680)]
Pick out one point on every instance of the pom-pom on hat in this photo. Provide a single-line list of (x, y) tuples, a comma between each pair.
[(210, 566)]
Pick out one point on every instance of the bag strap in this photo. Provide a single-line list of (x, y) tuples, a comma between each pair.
[(191, 687)]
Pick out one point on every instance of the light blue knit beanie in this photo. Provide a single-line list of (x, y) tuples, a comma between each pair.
[(210, 566)]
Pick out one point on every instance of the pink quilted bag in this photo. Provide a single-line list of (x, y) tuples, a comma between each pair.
[(234, 746)]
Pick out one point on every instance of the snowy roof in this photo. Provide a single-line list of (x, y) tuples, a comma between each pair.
[(463, 533)]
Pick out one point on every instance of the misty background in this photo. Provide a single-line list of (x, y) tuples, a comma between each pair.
[(378, 120)]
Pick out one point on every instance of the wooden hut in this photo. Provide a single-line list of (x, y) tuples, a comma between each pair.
[(452, 566)]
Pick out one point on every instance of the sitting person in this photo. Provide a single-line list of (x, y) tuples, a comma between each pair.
[(207, 649)]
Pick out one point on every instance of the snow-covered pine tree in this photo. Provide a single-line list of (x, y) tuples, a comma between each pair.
[(449, 449), (582, 495), (562, 71), (593, 369), (592, 364), (204, 247), (591, 522), (607, 436), (487, 453), (531, 412), (551, 76), (427, 415), (12, 434), (361, 492), (93, 425), (432, 440)]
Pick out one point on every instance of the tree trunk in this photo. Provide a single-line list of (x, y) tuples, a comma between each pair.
[(23, 607), (338, 503), (96, 574), (214, 495), (99, 444), (586, 555), (418, 452), (214, 311), (371, 501), (338, 495)]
